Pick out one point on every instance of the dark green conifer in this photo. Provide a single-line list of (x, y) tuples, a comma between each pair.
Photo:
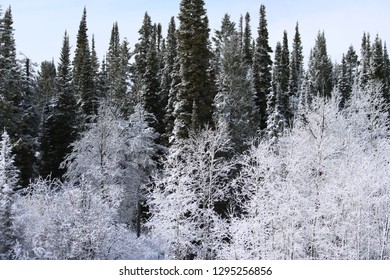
[(194, 101), (59, 129), (320, 68), (83, 71), (262, 67)]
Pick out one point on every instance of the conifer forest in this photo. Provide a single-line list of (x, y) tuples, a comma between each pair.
[(195, 143)]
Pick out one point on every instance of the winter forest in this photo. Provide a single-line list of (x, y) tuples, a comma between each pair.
[(195, 144)]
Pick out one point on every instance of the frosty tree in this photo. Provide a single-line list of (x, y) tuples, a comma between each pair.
[(9, 177), (183, 203), (324, 192), (114, 153)]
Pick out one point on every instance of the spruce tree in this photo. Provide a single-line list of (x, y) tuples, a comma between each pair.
[(287, 110), (320, 68), (277, 98), (247, 40), (262, 67), (228, 28), (117, 68), (142, 47), (386, 70), (95, 69), (365, 71), (17, 114), (349, 74), (235, 101), (296, 70), (83, 71), (169, 71), (151, 84), (59, 129), (194, 100), (10, 82), (46, 83)]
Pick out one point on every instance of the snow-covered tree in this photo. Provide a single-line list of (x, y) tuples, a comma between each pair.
[(9, 178), (324, 193), (114, 152), (184, 201), (60, 222)]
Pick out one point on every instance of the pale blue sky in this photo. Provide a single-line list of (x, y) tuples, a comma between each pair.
[(40, 24)]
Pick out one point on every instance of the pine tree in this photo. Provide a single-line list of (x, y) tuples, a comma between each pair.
[(247, 40), (262, 67), (277, 98), (194, 101), (320, 68), (234, 103), (228, 28), (349, 75), (113, 64), (9, 178), (83, 71), (10, 82), (46, 83), (59, 129), (386, 70), (296, 69), (118, 69), (151, 84), (284, 82), (142, 47), (379, 67), (95, 69), (365, 54), (167, 94), (17, 114)]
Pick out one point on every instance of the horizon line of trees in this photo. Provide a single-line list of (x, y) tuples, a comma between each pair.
[(170, 135)]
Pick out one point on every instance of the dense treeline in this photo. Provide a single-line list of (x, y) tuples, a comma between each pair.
[(195, 145)]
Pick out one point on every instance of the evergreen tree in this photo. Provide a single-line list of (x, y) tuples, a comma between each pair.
[(117, 68), (247, 40), (284, 79), (167, 86), (9, 178), (95, 69), (234, 103), (277, 98), (348, 75), (83, 71), (46, 83), (10, 82), (320, 68), (365, 71), (151, 84), (379, 67), (194, 101), (17, 114), (59, 129), (377, 61), (142, 47), (113, 63), (228, 28), (386, 70), (262, 67), (296, 69)]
